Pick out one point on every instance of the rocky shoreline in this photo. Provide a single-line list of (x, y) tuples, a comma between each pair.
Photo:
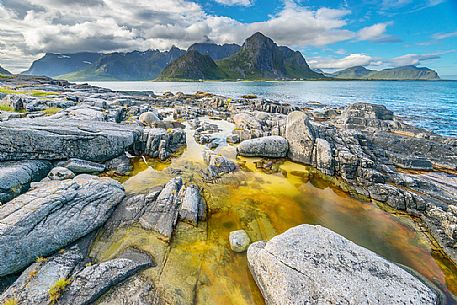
[(56, 137)]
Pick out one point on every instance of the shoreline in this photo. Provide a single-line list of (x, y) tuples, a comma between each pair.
[(362, 145)]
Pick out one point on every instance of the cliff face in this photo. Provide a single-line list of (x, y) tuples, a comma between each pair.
[(261, 58), (215, 51)]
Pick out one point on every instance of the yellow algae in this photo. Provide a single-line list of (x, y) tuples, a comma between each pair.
[(198, 266)]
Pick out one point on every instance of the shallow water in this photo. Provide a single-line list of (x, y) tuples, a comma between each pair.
[(263, 204), (427, 104)]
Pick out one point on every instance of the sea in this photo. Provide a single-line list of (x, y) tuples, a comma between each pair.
[(426, 104)]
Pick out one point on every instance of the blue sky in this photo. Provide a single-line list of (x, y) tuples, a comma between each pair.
[(332, 34)]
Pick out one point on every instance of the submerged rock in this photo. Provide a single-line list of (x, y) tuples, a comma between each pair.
[(313, 265), (16, 176), (53, 139), (52, 215), (270, 147), (239, 241)]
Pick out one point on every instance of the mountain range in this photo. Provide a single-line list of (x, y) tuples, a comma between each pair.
[(4, 71), (259, 58)]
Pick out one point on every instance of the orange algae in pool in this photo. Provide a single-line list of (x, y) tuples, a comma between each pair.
[(198, 266)]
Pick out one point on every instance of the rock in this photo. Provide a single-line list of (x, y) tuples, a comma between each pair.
[(121, 165), (84, 167), (158, 142), (60, 173), (32, 287), (134, 291), (270, 147), (161, 216), (51, 216), (313, 265), (324, 160), (239, 241), (217, 164), (363, 115), (149, 119), (16, 176), (233, 139), (49, 139), (93, 281), (193, 207), (301, 136)]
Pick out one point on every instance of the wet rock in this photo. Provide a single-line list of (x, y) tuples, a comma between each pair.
[(121, 165), (149, 119), (52, 215), (217, 164), (158, 142), (60, 173), (313, 265), (162, 215), (16, 176), (32, 287), (49, 139), (239, 241), (301, 136), (135, 291), (92, 282), (84, 167), (193, 207), (271, 146)]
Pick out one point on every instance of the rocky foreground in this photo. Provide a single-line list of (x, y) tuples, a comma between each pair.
[(57, 138)]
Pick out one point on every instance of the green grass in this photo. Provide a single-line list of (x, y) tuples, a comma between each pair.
[(55, 292), (7, 108), (51, 111), (35, 93)]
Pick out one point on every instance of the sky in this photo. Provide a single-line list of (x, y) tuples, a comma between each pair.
[(331, 34)]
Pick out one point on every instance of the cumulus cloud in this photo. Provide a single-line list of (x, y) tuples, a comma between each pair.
[(235, 2), (29, 28)]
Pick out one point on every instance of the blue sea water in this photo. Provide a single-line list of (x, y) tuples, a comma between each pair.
[(427, 104)]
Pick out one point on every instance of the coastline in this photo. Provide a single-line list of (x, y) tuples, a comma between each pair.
[(363, 149)]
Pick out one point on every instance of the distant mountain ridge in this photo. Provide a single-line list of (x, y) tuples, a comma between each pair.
[(215, 51), (399, 73), (259, 58), (4, 71)]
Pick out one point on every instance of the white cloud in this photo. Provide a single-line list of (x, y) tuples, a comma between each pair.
[(29, 28), (440, 36), (414, 59), (349, 61), (235, 2), (377, 33)]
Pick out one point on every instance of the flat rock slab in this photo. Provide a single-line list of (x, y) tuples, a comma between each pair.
[(16, 176), (51, 216), (313, 265), (93, 281), (53, 139), (270, 147)]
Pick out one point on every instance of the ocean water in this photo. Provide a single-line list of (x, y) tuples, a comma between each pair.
[(430, 105)]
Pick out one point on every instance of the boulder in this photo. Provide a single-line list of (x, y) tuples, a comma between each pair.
[(162, 215), (158, 142), (121, 165), (323, 158), (301, 136), (313, 265), (217, 164), (363, 115), (32, 287), (93, 281), (52, 215), (239, 241), (84, 167), (60, 173), (49, 139), (16, 176), (270, 147), (193, 207), (149, 119)]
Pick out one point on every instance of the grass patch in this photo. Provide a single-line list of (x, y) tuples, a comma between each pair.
[(39, 93), (51, 110), (35, 93), (41, 259), (55, 292), (10, 301), (7, 108)]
